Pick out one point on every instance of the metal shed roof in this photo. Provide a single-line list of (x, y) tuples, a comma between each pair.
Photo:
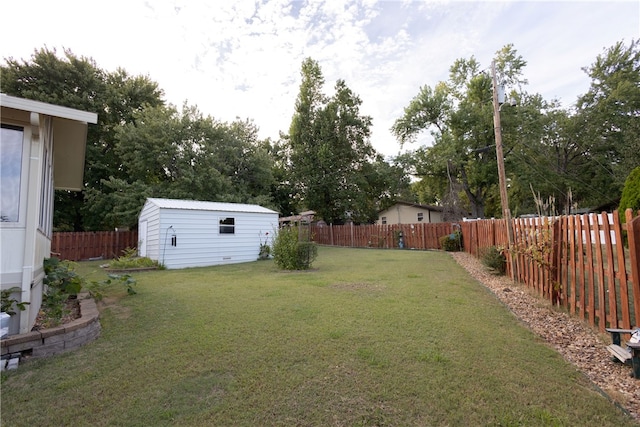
[(208, 206)]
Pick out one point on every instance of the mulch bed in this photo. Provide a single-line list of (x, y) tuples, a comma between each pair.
[(72, 312), (573, 338)]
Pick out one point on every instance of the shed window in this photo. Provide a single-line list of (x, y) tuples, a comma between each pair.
[(383, 220), (10, 172), (227, 225), (420, 216)]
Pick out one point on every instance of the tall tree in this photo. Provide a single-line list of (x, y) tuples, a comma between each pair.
[(610, 114), (331, 156), (459, 115)]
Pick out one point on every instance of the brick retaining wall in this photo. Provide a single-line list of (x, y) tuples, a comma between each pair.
[(48, 342)]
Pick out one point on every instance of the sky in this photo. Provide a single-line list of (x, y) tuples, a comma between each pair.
[(242, 59)]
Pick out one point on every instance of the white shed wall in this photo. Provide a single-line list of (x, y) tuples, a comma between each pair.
[(198, 240), (151, 213)]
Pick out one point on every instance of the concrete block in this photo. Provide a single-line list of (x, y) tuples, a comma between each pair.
[(58, 330), (48, 350), (13, 363)]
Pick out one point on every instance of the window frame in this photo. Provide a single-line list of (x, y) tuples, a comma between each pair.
[(227, 225), (24, 170)]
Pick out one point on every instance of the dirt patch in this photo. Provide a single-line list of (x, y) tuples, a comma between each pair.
[(574, 339), (110, 303)]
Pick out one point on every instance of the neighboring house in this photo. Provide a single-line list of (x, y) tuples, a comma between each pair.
[(410, 213), (42, 147), (188, 233)]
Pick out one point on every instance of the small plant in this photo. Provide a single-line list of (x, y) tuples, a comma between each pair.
[(265, 248), (451, 242), (61, 276), (130, 260), (96, 288), (8, 304), (494, 259), (61, 283), (291, 254)]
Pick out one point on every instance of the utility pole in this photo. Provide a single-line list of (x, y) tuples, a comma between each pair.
[(504, 200)]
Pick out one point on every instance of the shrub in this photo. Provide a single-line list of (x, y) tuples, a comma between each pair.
[(494, 259), (61, 283), (129, 259), (290, 254), (451, 242), (630, 197), (61, 275)]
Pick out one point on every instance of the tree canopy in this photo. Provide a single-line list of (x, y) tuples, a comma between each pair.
[(141, 147), (333, 167), (574, 157)]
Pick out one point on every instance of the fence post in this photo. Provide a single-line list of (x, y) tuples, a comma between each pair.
[(633, 234)]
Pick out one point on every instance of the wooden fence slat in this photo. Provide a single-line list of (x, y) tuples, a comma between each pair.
[(622, 273), (572, 265), (633, 235), (581, 270), (610, 274), (600, 275)]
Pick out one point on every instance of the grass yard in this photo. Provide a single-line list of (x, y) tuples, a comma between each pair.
[(367, 338)]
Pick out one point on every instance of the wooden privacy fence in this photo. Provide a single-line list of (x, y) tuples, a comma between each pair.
[(579, 262), (92, 244), (414, 236)]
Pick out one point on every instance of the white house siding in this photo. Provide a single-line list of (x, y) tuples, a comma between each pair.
[(198, 240), (53, 138)]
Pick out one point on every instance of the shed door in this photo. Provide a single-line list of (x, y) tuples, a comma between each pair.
[(142, 238)]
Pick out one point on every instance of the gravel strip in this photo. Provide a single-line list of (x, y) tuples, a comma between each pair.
[(573, 338)]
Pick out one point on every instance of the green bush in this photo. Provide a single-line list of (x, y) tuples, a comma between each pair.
[(451, 242), (494, 259), (129, 259), (290, 254), (630, 198), (61, 283)]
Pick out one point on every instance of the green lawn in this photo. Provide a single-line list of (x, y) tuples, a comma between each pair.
[(367, 338)]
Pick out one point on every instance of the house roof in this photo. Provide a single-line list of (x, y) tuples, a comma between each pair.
[(69, 135), (208, 206), (415, 205), (48, 109)]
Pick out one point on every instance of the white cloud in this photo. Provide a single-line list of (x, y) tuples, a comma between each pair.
[(242, 58)]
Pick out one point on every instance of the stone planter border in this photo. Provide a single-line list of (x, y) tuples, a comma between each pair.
[(48, 342)]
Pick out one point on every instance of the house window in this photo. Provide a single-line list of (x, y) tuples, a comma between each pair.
[(383, 220), (10, 172), (227, 226), (420, 216)]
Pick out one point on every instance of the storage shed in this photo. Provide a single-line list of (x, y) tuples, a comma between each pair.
[(188, 233)]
